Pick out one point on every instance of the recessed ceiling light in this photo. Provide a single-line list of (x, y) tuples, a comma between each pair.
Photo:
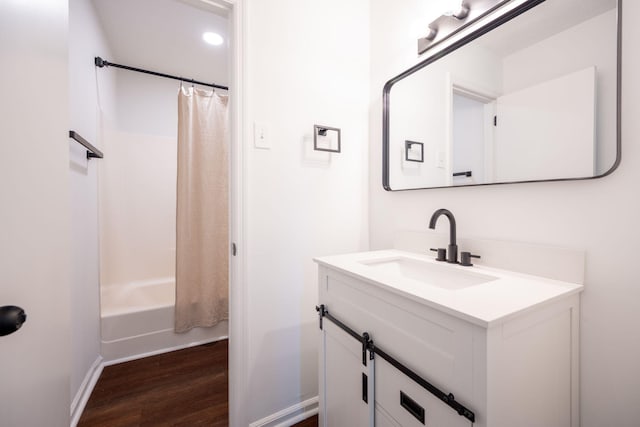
[(213, 38)]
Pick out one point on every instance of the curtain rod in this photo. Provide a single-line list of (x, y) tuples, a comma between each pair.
[(99, 62)]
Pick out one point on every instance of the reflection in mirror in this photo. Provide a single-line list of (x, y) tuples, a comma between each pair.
[(533, 99)]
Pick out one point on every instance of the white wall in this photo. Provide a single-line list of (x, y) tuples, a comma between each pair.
[(137, 207), (138, 178), (34, 218), (146, 104), (548, 59), (421, 109), (86, 86), (307, 64), (599, 216)]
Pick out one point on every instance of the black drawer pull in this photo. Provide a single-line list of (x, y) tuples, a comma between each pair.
[(365, 388), (412, 406)]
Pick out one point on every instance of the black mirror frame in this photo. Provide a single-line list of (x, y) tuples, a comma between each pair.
[(469, 38)]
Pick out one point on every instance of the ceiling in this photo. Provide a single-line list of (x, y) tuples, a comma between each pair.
[(548, 18), (165, 36)]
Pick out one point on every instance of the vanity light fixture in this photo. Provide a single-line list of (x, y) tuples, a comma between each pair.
[(456, 15), (432, 34), (456, 9)]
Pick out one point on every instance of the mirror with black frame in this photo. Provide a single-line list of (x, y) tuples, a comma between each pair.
[(533, 98)]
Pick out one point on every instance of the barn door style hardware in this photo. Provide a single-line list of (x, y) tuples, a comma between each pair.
[(447, 398), (364, 338)]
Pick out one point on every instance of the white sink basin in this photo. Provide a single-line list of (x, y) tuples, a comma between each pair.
[(439, 275)]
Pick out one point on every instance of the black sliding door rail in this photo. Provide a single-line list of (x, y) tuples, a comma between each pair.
[(99, 62), (447, 398), (364, 338)]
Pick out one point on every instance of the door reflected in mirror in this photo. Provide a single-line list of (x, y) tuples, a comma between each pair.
[(534, 99)]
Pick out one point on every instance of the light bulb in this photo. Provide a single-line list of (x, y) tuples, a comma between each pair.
[(455, 9), (450, 7)]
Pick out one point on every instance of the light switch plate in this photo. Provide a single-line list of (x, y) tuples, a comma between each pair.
[(261, 136), (441, 160)]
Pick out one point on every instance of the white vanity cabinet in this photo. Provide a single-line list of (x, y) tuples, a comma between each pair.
[(518, 369), (344, 374)]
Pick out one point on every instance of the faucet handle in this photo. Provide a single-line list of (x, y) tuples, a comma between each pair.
[(442, 254), (465, 258)]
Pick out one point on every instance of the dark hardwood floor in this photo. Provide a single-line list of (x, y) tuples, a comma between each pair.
[(182, 388), (309, 422)]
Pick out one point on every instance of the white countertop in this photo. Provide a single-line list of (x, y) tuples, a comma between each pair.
[(485, 304)]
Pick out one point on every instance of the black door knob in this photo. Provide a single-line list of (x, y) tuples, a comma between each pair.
[(11, 319)]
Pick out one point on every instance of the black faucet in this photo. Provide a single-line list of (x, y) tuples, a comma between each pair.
[(452, 251)]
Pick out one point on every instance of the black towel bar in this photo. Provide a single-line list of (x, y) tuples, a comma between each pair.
[(92, 152)]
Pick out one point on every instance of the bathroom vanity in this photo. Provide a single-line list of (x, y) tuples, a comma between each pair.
[(409, 341)]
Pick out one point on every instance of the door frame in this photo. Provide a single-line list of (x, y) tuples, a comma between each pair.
[(456, 85), (235, 11)]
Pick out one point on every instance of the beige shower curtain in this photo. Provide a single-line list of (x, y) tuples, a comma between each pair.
[(202, 230)]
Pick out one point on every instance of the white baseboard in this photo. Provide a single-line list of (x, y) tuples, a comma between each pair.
[(289, 416), (126, 348), (82, 396), (285, 418), (163, 350)]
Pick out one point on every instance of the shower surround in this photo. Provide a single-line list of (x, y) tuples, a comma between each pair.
[(138, 318), (137, 199)]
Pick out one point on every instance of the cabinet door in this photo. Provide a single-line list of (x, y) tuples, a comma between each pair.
[(438, 346), (342, 377)]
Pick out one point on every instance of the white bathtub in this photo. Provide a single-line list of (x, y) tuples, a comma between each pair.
[(137, 321)]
